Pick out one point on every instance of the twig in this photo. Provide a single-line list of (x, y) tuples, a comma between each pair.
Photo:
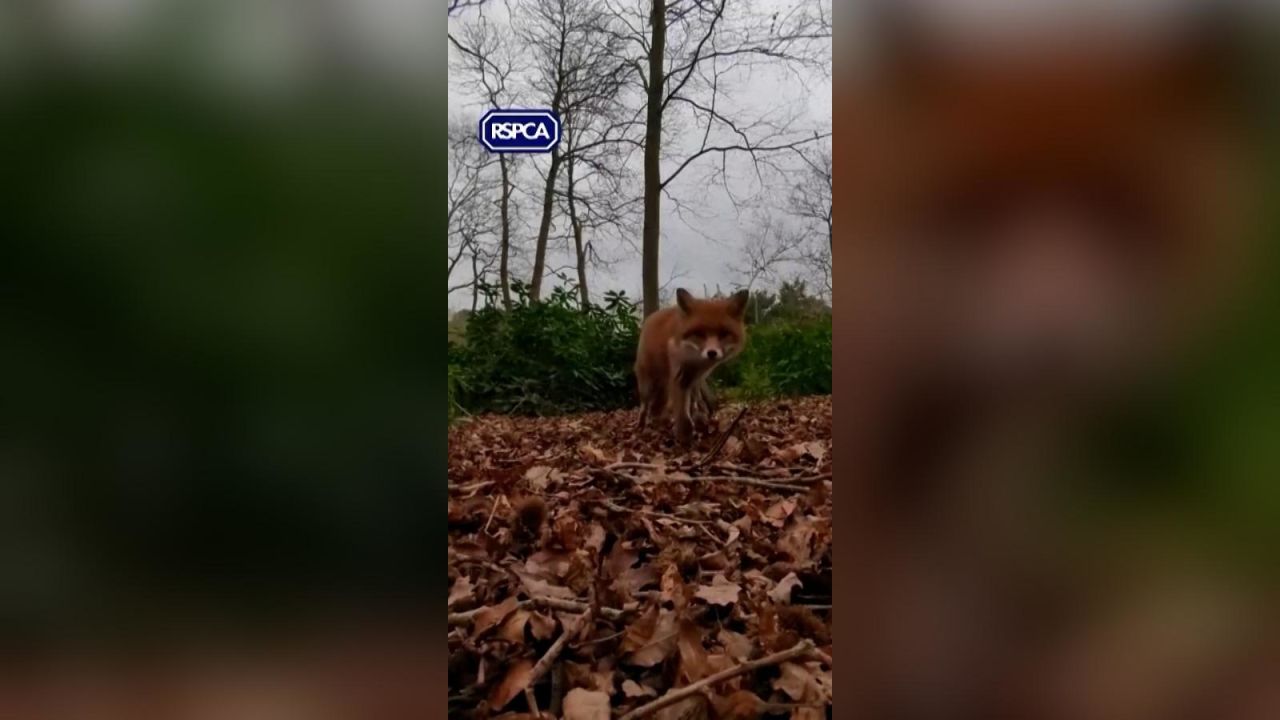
[(492, 510), (553, 652), (724, 478), (633, 465), (532, 701), (724, 437), (615, 507), (823, 657), (745, 481), (572, 606), (804, 647), (472, 487), (557, 691)]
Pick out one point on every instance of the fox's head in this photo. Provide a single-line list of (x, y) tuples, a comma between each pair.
[(711, 329)]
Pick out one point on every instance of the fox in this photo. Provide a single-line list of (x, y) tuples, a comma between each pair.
[(678, 349)]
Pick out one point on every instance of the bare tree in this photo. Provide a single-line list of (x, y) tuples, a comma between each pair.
[(487, 58), (769, 248), (598, 140), (687, 54), (811, 201), (573, 56), (458, 6), (471, 216)]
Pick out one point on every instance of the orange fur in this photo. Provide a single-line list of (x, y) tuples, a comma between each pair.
[(679, 348)]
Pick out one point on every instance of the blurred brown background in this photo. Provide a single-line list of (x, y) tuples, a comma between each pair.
[(1056, 360)]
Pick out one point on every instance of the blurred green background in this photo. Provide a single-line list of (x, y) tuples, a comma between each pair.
[(221, 323)]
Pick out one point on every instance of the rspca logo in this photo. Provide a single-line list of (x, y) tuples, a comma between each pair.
[(520, 131)]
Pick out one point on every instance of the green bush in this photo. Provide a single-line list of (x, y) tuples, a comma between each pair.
[(546, 357), (551, 357), (782, 358)]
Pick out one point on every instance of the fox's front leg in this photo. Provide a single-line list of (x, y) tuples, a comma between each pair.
[(681, 397), (703, 406)]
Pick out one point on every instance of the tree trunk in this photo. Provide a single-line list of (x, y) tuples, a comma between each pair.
[(544, 228), (504, 275), (652, 156), (584, 296)]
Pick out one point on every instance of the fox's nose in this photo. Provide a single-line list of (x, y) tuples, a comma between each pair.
[(712, 354)]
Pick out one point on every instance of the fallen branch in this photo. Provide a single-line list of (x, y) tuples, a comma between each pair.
[(553, 652), (571, 606), (822, 657), (757, 482), (724, 437), (804, 647)]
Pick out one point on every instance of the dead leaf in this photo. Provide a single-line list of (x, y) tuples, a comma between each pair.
[(582, 704), (781, 593), (693, 657), (778, 513), (721, 591), (633, 689), (797, 541), (673, 588), (651, 638), (740, 705), (540, 477), (513, 683), (490, 616), (513, 629), (739, 646), (462, 590), (541, 588), (541, 626), (691, 708)]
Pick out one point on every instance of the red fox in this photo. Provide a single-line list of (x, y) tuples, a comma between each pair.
[(679, 347)]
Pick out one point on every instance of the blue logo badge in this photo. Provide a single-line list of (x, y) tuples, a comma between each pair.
[(520, 131)]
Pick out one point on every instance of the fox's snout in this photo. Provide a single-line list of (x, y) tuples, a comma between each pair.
[(711, 354)]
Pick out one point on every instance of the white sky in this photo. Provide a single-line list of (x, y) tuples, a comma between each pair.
[(699, 249)]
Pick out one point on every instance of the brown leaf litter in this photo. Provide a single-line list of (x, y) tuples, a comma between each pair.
[(599, 572)]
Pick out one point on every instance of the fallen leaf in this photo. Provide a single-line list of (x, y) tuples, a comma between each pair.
[(740, 705), (633, 689), (541, 626), (513, 683), (540, 477), (462, 590), (778, 513), (691, 708), (539, 587), (797, 541), (781, 593), (721, 591), (513, 629), (693, 657), (738, 646), (651, 638), (490, 616), (582, 704)]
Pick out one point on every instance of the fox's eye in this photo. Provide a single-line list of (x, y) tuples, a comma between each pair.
[(696, 335)]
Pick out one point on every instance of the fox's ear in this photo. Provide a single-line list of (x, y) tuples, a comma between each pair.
[(684, 300), (738, 303)]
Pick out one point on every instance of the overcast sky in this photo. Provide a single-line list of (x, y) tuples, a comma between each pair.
[(701, 243)]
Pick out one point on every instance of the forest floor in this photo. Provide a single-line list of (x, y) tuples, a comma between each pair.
[(596, 572)]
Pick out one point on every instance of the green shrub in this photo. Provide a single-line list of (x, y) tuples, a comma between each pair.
[(551, 357), (547, 357), (782, 358)]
